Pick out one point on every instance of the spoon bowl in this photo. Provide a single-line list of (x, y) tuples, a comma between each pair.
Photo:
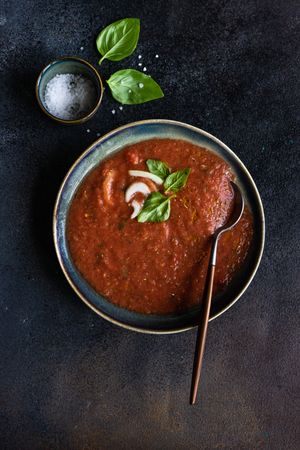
[(235, 216)]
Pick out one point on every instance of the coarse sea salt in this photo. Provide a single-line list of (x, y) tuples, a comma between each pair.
[(70, 96)]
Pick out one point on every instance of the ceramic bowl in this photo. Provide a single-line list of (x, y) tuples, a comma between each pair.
[(73, 65), (108, 145)]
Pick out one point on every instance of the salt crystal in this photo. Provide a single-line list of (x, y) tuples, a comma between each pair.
[(141, 85), (129, 91), (140, 64), (98, 134), (156, 56), (139, 56), (70, 96), (145, 69), (113, 111), (88, 130), (81, 48), (121, 107)]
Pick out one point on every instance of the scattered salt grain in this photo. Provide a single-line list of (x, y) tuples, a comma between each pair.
[(140, 64), (139, 56), (81, 48), (113, 111), (121, 108), (129, 91), (88, 130), (145, 69), (70, 96), (156, 56), (141, 85), (98, 134)]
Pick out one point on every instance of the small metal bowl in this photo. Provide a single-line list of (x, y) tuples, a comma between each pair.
[(73, 65)]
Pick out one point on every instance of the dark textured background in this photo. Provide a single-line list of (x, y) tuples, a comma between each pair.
[(70, 380)]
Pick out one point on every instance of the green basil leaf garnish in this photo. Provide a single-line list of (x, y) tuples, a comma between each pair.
[(118, 40), (158, 168), (176, 180), (131, 87), (157, 208)]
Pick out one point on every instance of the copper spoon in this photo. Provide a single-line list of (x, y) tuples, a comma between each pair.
[(207, 295)]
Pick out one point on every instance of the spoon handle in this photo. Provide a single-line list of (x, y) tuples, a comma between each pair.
[(202, 327)]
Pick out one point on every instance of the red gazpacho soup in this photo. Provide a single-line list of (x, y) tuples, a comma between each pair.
[(156, 267)]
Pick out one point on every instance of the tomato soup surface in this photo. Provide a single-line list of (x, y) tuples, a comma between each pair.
[(149, 267)]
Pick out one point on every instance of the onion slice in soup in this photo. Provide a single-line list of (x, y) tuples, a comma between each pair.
[(143, 174), (137, 206), (134, 188)]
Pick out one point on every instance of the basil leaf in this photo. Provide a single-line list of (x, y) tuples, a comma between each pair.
[(131, 87), (176, 180), (159, 168), (157, 208), (118, 40)]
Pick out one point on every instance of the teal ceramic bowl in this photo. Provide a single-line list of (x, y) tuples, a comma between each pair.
[(72, 65), (114, 142)]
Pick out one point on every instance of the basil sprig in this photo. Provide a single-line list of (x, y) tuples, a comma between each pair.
[(119, 39), (173, 182), (158, 168), (131, 87), (157, 207), (177, 180), (115, 42)]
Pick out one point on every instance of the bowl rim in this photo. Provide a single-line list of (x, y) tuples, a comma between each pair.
[(82, 156), (73, 121)]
